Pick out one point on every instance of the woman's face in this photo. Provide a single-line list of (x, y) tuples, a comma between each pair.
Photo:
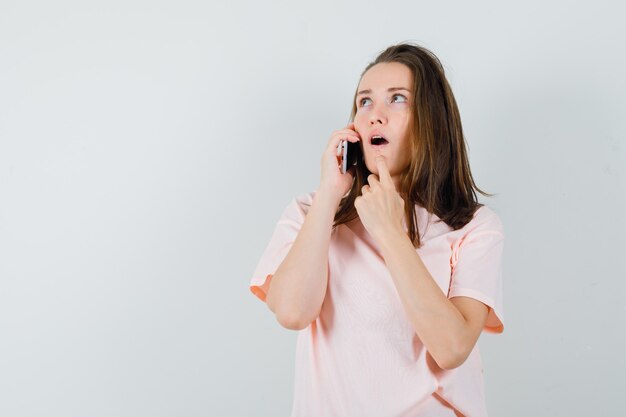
[(384, 99)]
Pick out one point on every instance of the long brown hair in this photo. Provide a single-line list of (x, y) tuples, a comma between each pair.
[(438, 177)]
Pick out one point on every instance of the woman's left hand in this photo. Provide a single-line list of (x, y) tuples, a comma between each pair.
[(380, 207)]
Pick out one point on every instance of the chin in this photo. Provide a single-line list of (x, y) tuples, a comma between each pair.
[(372, 167)]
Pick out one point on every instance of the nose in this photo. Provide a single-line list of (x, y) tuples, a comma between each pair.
[(377, 116)]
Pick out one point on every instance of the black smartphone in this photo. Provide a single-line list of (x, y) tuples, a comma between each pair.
[(350, 155)]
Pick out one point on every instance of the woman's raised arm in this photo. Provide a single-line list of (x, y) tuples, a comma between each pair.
[(298, 287)]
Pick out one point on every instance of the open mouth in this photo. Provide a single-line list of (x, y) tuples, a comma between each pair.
[(378, 141)]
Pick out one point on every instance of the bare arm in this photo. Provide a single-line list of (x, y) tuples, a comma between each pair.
[(298, 287), (449, 328)]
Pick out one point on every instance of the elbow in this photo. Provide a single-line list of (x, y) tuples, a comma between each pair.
[(289, 317), (292, 322), (286, 318), (450, 364), (453, 360), (284, 315), (288, 322)]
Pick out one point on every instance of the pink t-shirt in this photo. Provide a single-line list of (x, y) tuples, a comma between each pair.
[(361, 357)]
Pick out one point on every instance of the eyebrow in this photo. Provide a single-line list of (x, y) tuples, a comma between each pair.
[(389, 89)]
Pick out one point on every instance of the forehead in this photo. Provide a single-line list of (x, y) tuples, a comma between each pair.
[(387, 74)]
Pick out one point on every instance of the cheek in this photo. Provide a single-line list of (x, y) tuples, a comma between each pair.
[(406, 117), (360, 124)]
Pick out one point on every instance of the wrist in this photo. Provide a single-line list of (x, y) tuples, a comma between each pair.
[(328, 194), (391, 238)]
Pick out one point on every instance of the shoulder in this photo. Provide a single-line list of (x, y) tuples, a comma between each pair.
[(485, 220), (305, 199), (484, 233), (299, 205)]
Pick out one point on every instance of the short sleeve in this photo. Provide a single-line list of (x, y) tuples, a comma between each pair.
[(477, 266), (280, 243)]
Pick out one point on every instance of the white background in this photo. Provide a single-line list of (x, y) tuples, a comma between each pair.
[(148, 148)]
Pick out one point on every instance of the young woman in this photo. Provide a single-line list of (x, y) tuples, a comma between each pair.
[(390, 271)]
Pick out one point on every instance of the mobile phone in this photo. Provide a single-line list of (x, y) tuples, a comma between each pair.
[(350, 154)]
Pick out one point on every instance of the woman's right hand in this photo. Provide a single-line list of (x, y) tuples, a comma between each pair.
[(332, 180)]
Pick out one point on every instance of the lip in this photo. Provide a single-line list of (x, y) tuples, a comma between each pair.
[(377, 148), (377, 133)]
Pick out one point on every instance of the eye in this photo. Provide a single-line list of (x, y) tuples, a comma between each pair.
[(399, 95), (392, 97)]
